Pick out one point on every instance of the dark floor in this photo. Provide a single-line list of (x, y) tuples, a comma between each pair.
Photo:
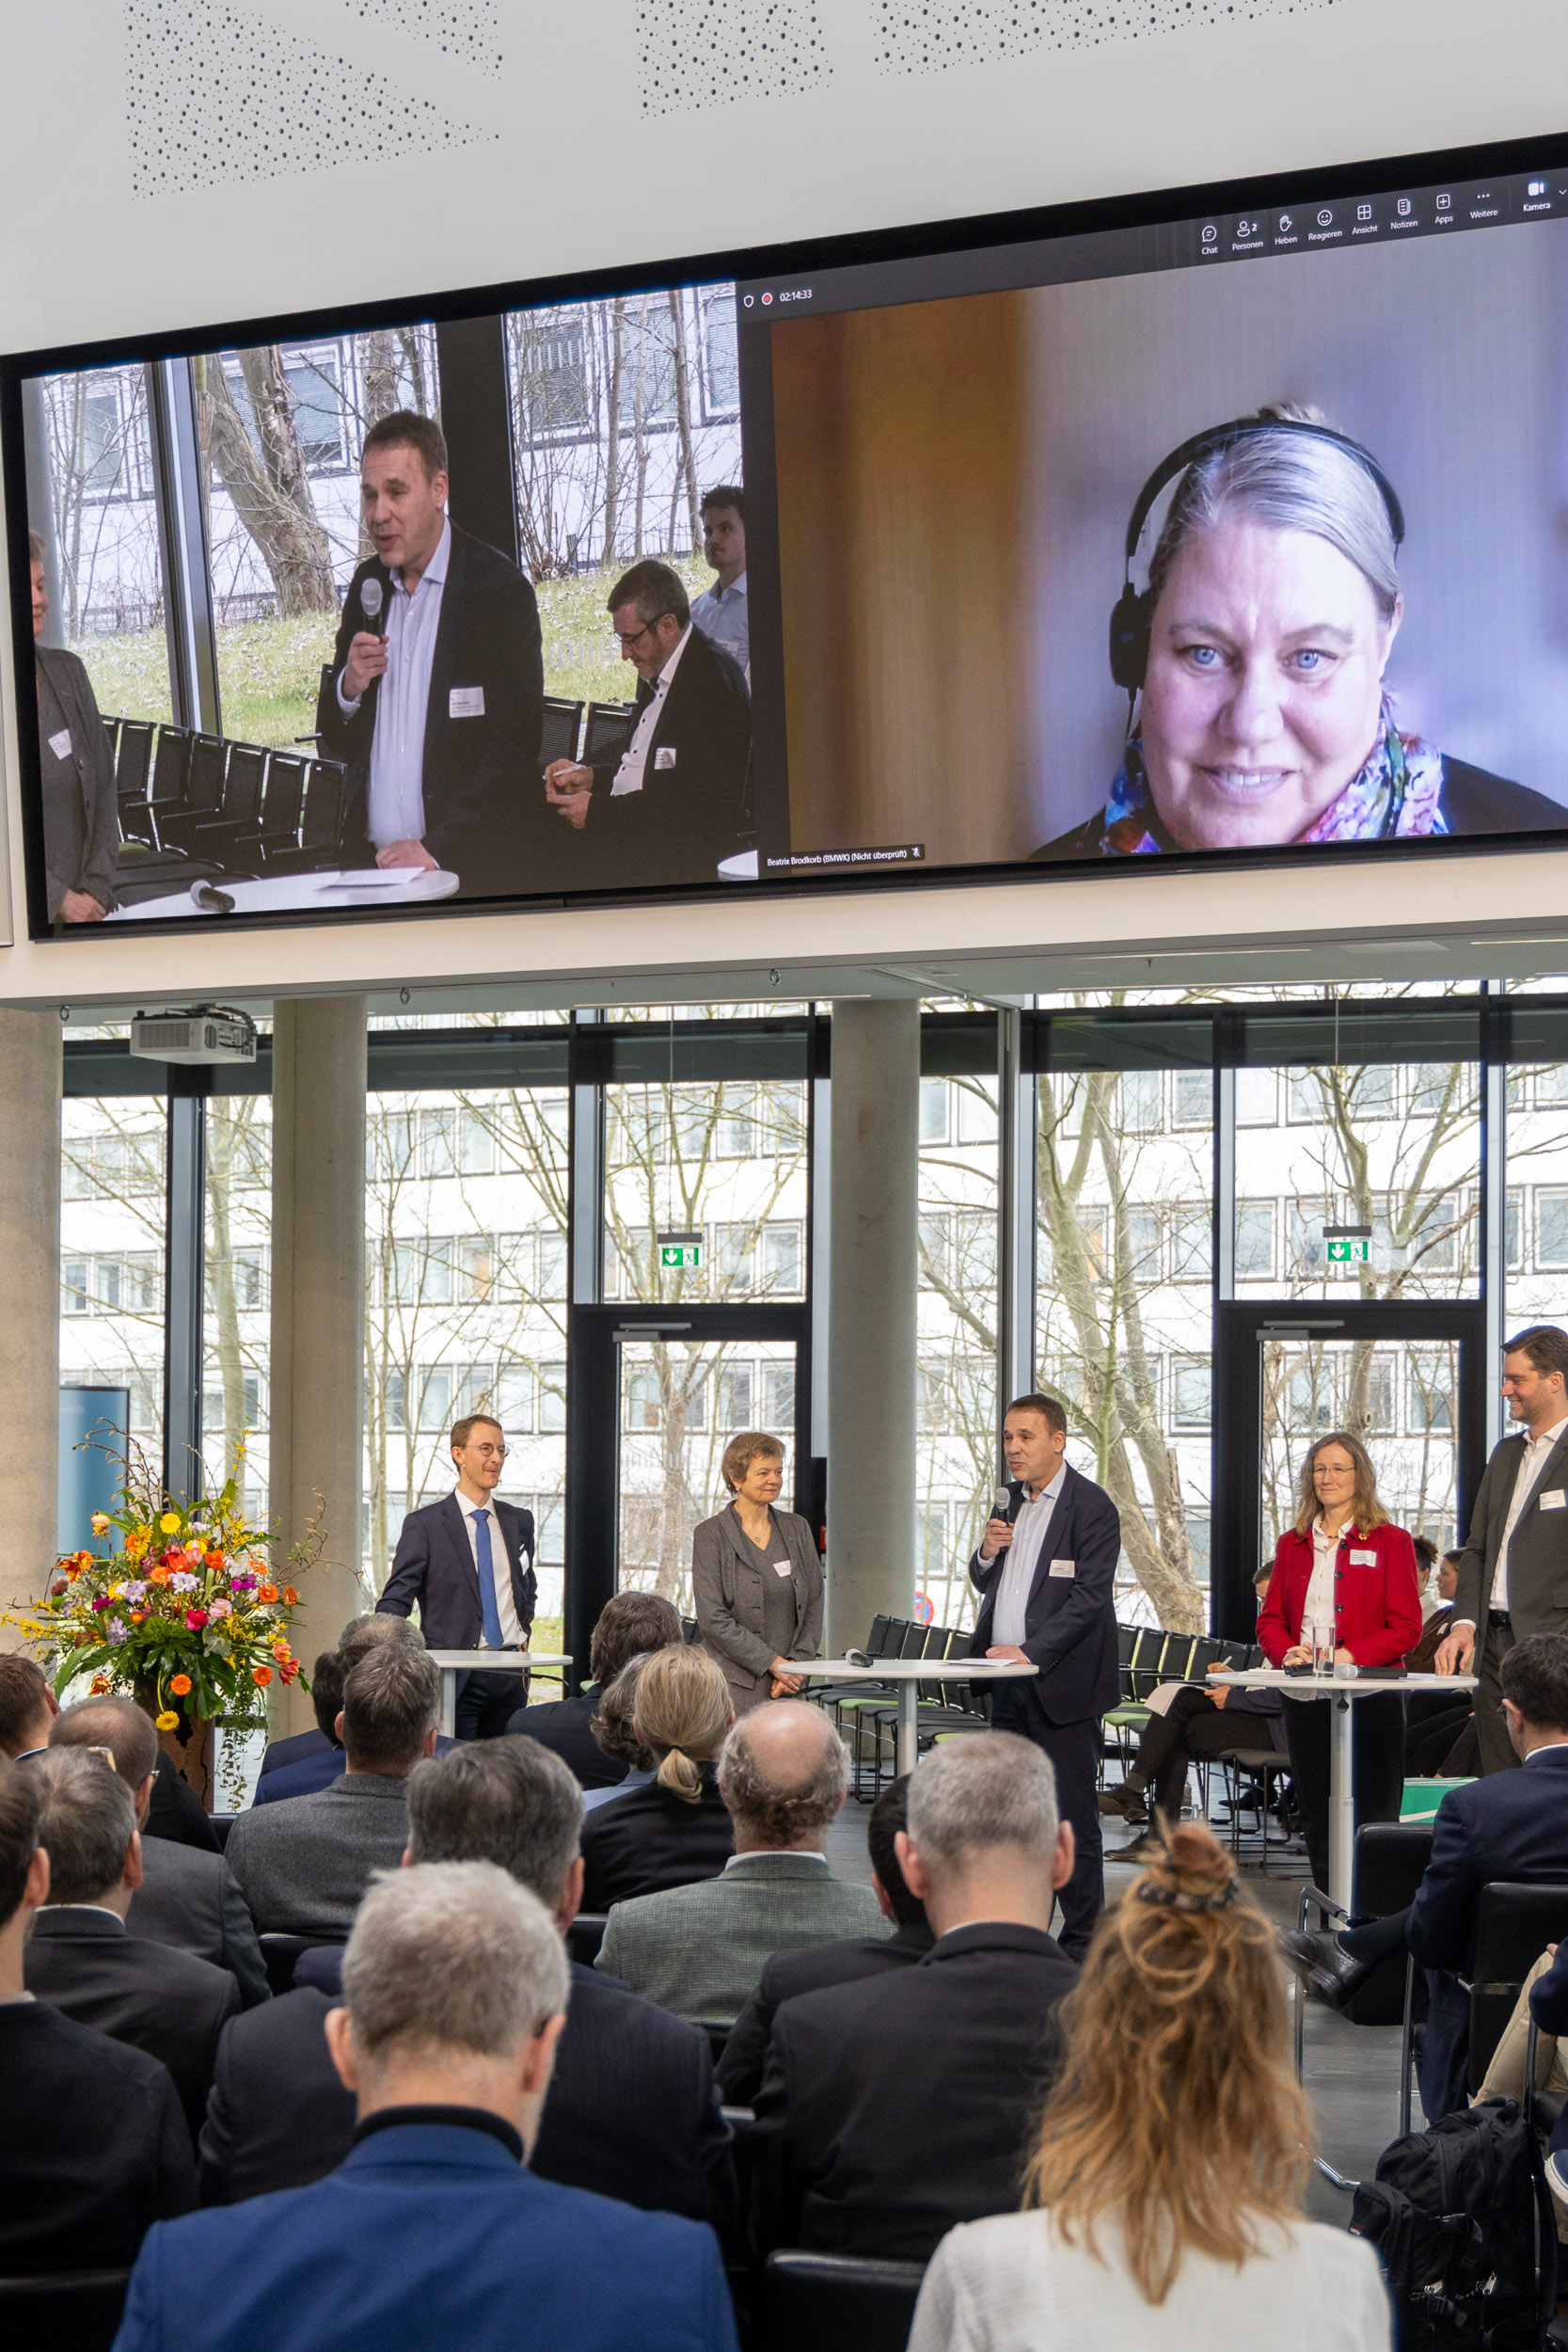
[(1352, 2073)]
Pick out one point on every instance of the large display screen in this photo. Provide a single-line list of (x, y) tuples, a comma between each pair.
[(1163, 530)]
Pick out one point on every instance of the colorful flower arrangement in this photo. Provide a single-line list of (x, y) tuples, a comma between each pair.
[(181, 1604)]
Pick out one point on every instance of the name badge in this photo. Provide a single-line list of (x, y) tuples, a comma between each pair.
[(664, 756), (60, 745), (1063, 1568), (465, 702), (1363, 1559), (781, 1567), (1552, 1498)]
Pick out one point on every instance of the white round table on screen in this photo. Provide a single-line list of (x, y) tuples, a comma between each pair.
[(295, 894), (741, 867)]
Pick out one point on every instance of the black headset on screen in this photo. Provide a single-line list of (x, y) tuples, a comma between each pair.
[(1132, 614)]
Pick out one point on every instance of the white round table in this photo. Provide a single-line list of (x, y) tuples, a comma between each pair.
[(1341, 1752), (908, 1674), (453, 1663), (332, 893)]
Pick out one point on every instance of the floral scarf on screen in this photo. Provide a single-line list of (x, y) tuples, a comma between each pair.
[(1396, 794)]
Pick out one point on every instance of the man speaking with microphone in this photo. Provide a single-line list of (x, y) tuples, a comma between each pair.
[(1046, 1570)]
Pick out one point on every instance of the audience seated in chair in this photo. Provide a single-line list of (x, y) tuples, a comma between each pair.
[(175, 1814), (891, 2109), (187, 1897), (95, 2147), (1511, 1825), (789, 1974), (81, 1957), (631, 2111), (433, 2231), (614, 1730), (1163, 2196), (675, 1829), (699, 1951), (27, 1707), (303, 1865), (628, 1625), (312, 1760)]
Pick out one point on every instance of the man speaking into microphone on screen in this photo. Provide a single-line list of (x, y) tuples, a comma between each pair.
[(435, 695), (1046, 1569)]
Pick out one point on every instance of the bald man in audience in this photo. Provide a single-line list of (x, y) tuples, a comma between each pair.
[(699, 1951)]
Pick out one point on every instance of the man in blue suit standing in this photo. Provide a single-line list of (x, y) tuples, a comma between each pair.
[(432, 2233), (1047, 1572), (468, 1564)]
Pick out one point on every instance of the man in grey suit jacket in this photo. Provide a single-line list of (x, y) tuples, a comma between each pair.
[(187, 1898), (699, 1951), (1513, 1571), (304, 1864), (81, 822)]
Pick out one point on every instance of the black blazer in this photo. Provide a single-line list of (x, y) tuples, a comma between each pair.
[(632, 2111), (166, 2003), (95, 2147), (175, 1813), (1511, 1825), (648, 1840), (481, 790), (293, 1750), (1070, 1622), (893, 2108), (193, 1901), (785, 1977), (692, 810), (433, 1568), (561, 1725)]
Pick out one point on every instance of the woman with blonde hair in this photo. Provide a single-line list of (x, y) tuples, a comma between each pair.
[(676, 1828), (1172, 2156), (1345, 1587)]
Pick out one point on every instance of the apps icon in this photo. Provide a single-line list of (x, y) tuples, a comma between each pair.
[(1445, 203)]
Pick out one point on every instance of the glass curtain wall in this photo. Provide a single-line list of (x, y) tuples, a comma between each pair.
[(112, 1226), (99, 448), (956, 1371), (236, 1324)]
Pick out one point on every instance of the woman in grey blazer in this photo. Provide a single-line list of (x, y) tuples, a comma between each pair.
[(758, 1579), (80, 821)]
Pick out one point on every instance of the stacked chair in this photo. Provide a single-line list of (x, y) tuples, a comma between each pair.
[(197, 807)]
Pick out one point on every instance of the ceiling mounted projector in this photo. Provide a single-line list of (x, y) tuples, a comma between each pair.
[(208, 1033)]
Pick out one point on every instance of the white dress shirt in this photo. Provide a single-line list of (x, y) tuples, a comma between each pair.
[(634, 759), (1318, 1608), (1023, 1555), (513, 1636), (721, 615), (395, 810), (1525, 1482)]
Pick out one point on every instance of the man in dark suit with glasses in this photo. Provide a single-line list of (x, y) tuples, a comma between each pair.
[(466, 1564)]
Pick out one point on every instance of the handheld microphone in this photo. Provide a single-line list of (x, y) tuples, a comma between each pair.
[(1002, 1504), (371, 602)]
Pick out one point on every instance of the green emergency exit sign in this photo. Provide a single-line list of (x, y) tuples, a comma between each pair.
[(1347, 1244), (677, 1251)]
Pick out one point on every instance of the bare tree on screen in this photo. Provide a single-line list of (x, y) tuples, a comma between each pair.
[(262, 469)]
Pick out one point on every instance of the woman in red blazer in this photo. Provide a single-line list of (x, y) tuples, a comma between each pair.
[(1347, 1572)]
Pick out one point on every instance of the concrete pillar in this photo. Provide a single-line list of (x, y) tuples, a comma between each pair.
[(318, 1309), (30, 1068), (873, 1258)]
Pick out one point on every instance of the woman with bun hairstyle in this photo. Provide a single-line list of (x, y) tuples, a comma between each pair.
[(1347, 1572), (1172, 2156), (676, 1828)]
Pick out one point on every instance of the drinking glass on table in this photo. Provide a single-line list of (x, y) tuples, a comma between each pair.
[(1320, 1640)]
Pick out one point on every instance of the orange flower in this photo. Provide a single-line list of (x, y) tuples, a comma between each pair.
[(267, 1595), (159, 1575), (99, 1685), (261, 1676), (179, 1685), (213, 1559), (280, 1649), (138, 1616), (290, 1594)]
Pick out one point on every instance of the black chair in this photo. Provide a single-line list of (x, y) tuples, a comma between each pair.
[(132, 766), (233, 838), (585, 1936), (69, 2311), (1515, 1923), (562, 725), (281, 1951), (206, 765), (321, 836), (171, 768), (837, 2303), (281, 809), (608, 728)]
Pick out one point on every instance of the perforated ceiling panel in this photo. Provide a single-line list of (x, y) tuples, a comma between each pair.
[(467, 31), (929, 36), (216, 94), (707, 53)]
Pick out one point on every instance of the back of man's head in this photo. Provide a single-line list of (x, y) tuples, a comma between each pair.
[(1535, 1675), (506, 1800), (888, 1816), (328, 1677), (117, 1726), (26, 1713), (981, 1800), (86, 1825), (364, 1633), (20, 1803), (451, 1957), (390, 1701), (784, 1774), (628, 1625)]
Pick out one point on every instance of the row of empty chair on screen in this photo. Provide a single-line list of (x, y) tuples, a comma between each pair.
[(194, 805)]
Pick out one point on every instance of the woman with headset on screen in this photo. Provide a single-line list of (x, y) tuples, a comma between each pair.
[(1254, 660)]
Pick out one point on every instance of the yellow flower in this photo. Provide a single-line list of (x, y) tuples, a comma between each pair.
[(168, 1719), (169, 1523)]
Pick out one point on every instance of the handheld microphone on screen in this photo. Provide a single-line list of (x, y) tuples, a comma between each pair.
[(1001, 1505), (370, 604)]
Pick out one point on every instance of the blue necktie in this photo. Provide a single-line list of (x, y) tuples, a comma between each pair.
[(486, 1580)]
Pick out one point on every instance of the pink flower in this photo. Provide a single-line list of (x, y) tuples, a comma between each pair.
[(196, 1619), (103, 1601)]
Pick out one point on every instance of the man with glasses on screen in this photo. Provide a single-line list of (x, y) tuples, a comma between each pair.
[(467, 1564), (435, 692)]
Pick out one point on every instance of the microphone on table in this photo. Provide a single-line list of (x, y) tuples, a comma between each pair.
[(370, 604)]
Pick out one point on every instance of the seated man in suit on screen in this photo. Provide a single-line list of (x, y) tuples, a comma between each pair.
[(435, 694), (670, 802)]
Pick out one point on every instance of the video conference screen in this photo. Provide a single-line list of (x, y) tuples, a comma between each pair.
[(1151, 533)]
